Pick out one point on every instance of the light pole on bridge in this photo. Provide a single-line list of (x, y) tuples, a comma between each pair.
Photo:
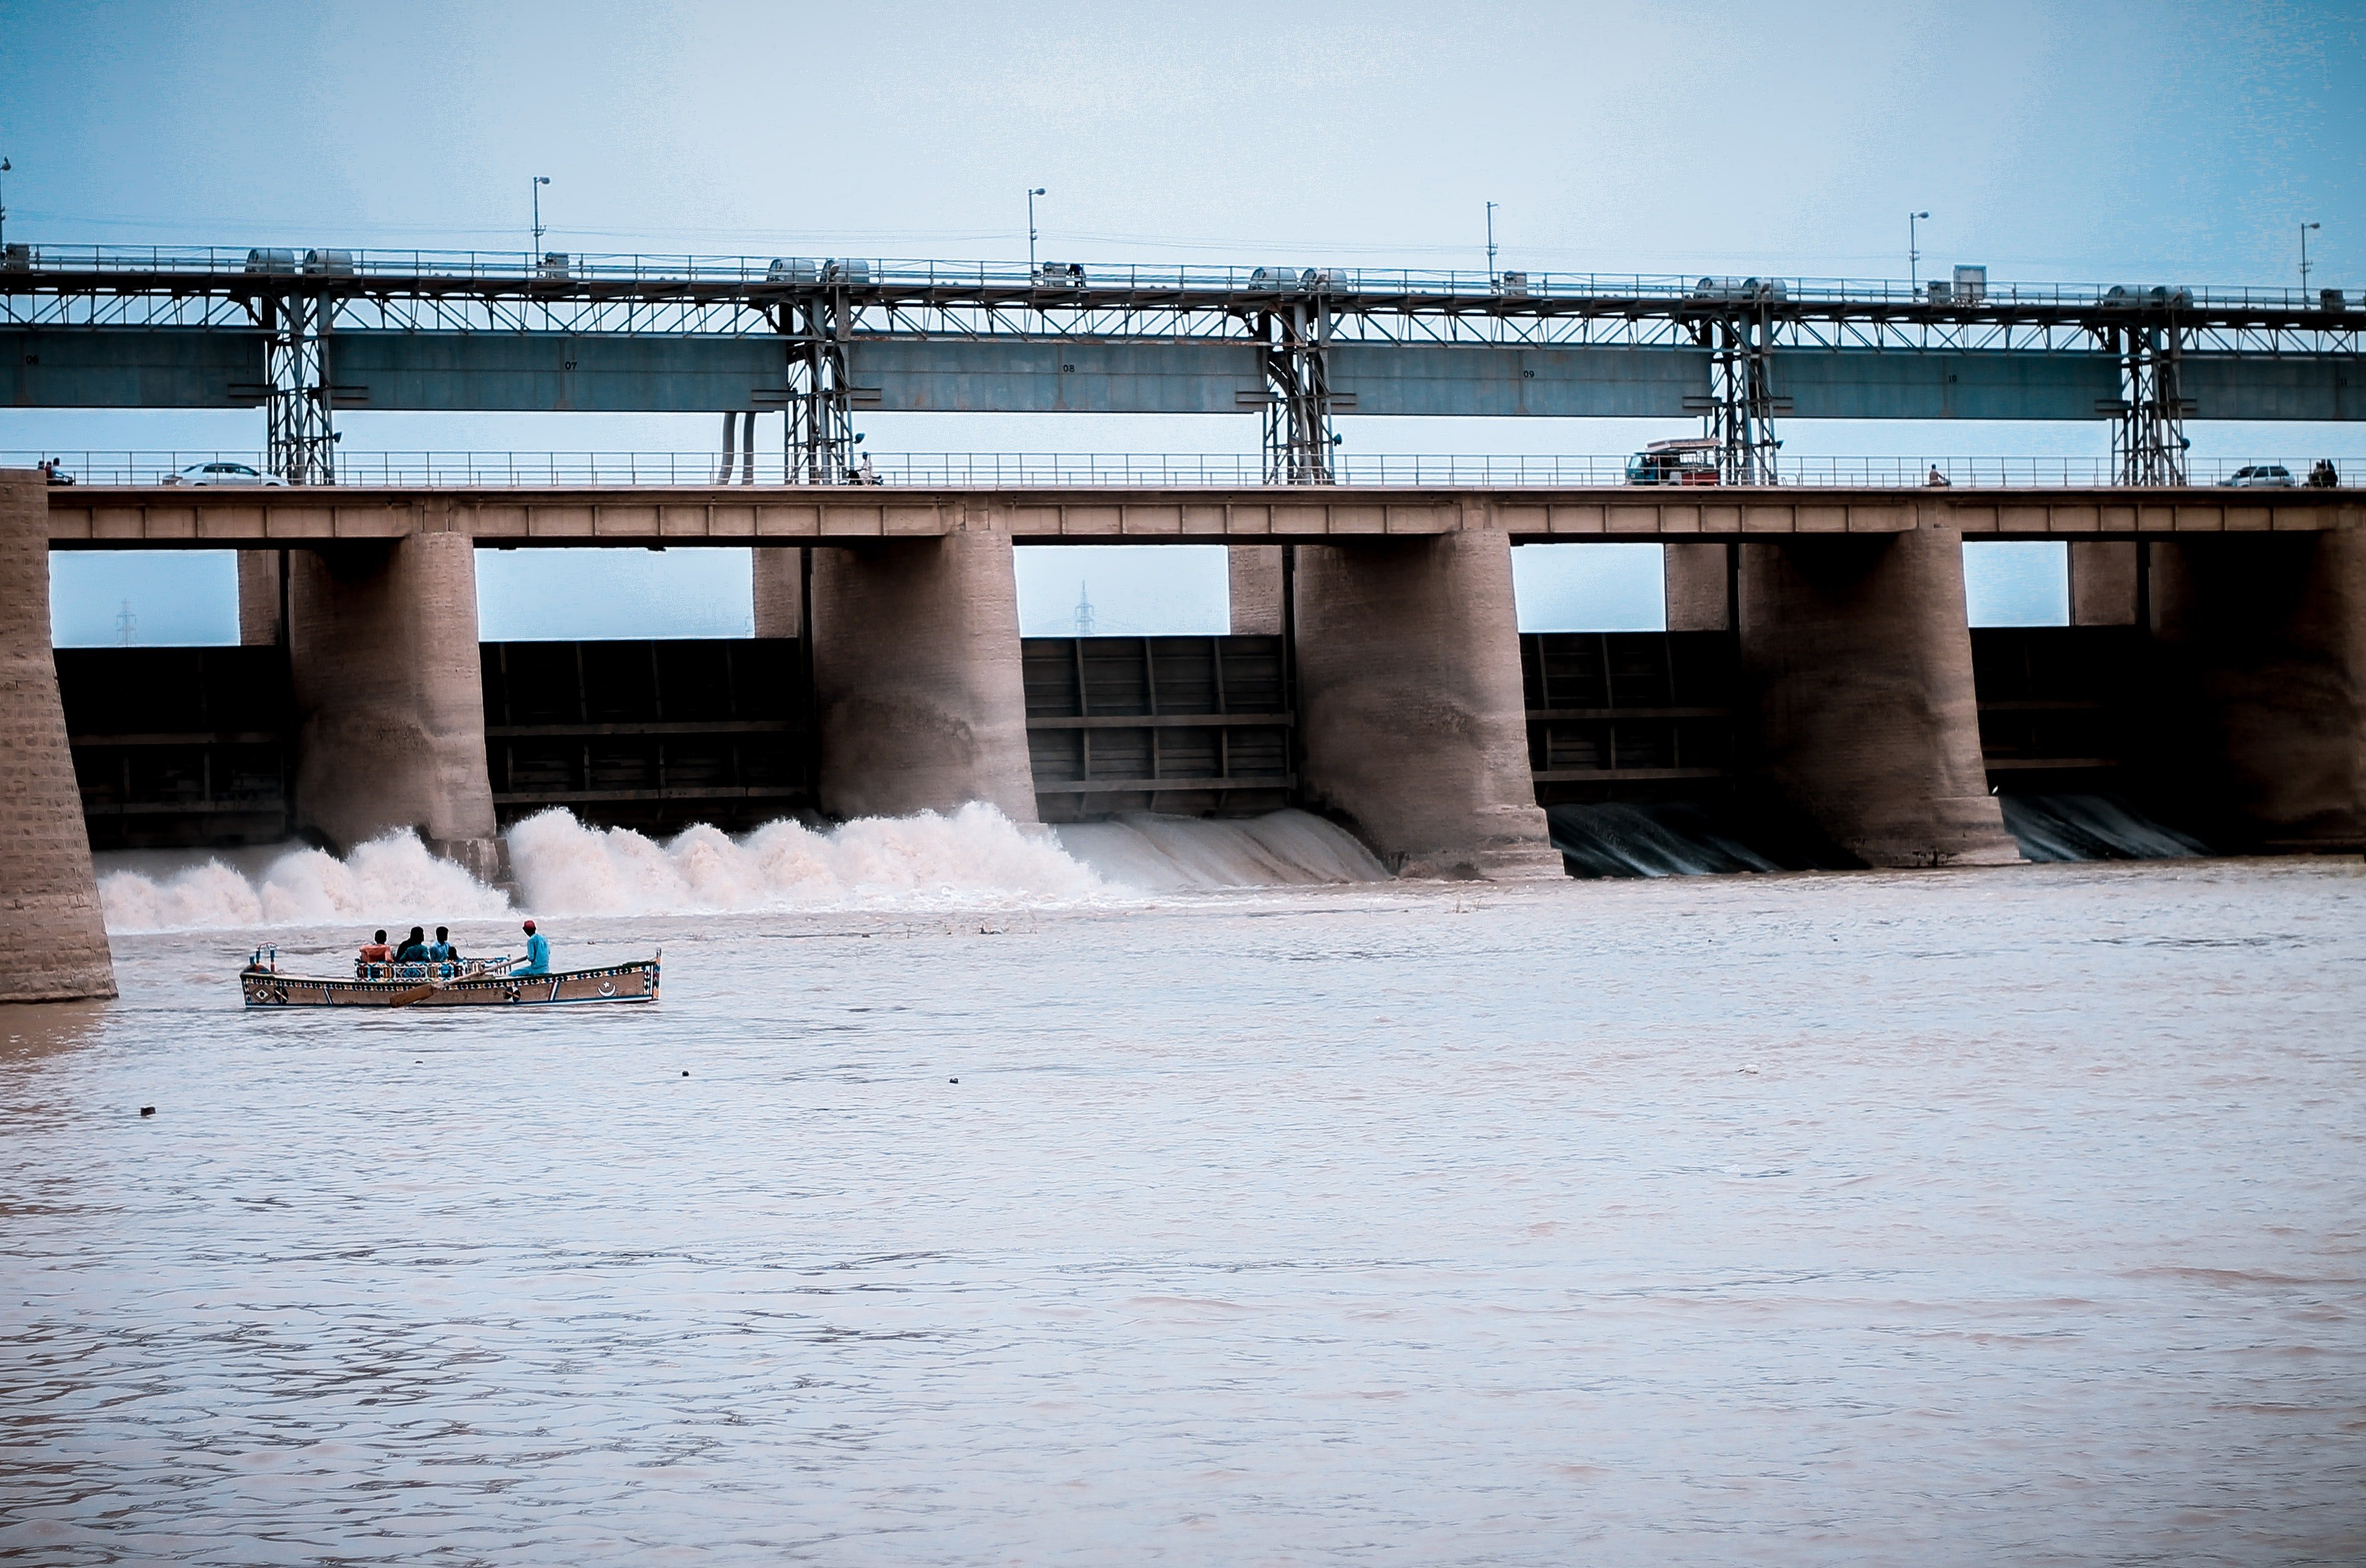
[(1913, 255), (2304, 253), (1032, 192), (539, 180)]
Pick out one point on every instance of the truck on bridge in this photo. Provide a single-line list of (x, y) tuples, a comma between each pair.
[(1688, 461)]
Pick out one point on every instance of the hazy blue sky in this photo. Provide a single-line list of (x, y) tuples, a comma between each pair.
[(2084, 143)]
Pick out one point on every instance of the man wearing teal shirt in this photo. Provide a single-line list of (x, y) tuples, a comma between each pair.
[(537, 953)]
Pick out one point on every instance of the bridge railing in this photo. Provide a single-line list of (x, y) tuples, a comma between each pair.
[(1024, 470), (23, 266)]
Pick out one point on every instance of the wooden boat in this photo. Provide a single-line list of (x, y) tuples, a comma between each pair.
[(472, 983)]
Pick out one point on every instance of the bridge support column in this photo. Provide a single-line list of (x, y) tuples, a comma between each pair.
[(258, 598), (1256, 583), (1411, 710), (390, 692), (52, 941), (917, 677), (2262, 645), (780, 590), (1860, 657)]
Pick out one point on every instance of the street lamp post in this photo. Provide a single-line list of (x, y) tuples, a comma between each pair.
[(1032, 192), (2304, 256), (1914, 257), (3, 200), (539, 180), (1491, 243)]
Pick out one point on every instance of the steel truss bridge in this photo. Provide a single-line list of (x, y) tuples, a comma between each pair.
[(307, 334)]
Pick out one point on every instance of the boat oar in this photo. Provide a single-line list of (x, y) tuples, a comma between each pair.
[(421, 992)]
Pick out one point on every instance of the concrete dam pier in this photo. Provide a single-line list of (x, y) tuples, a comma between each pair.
[(52, 945), (1818, 659)]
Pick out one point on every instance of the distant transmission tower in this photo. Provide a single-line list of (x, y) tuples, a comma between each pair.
[(127, 625), (1084, 613)]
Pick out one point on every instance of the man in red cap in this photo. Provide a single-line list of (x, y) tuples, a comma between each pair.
[(537, 953)]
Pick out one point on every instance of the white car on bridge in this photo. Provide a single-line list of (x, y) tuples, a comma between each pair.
[(222, 474)]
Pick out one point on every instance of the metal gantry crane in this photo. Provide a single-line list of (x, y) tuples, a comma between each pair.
[(147, 327)]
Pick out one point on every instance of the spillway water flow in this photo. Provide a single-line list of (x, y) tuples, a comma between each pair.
[(973, 856), (2092, 827)]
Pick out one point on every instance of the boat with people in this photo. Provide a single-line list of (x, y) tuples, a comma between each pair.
[(433, 975)]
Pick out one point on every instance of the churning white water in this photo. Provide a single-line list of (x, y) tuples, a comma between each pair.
[(300, 887), (970, 858)]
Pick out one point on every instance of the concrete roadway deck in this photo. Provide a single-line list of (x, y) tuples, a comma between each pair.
[(109, 518)]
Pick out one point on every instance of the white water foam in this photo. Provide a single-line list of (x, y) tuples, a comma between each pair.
[(302, 887), (974, 855), (969, 858)]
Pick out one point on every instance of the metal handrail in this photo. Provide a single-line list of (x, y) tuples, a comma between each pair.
[(268, 265), (1023, 470)]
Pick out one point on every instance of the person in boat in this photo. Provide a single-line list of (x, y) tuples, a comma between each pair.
[(413, 949), (537, 953), (374, 951), (441, 950)]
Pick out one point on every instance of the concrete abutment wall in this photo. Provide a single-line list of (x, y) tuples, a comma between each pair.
[(52, 942)]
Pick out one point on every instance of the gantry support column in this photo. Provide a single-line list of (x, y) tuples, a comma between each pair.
[(2261, 642), (1858, 653), (780, 590), (918, 679), (1255, 571), (391, 691), (1411, 710), (52, 942)]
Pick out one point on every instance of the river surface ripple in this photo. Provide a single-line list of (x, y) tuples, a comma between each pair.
[(2007, 1216)]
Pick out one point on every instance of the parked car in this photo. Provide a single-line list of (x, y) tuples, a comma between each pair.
[(2261, 476), (222, 474)]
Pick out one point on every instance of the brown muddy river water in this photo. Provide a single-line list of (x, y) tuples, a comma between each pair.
[(2005, 1217)]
